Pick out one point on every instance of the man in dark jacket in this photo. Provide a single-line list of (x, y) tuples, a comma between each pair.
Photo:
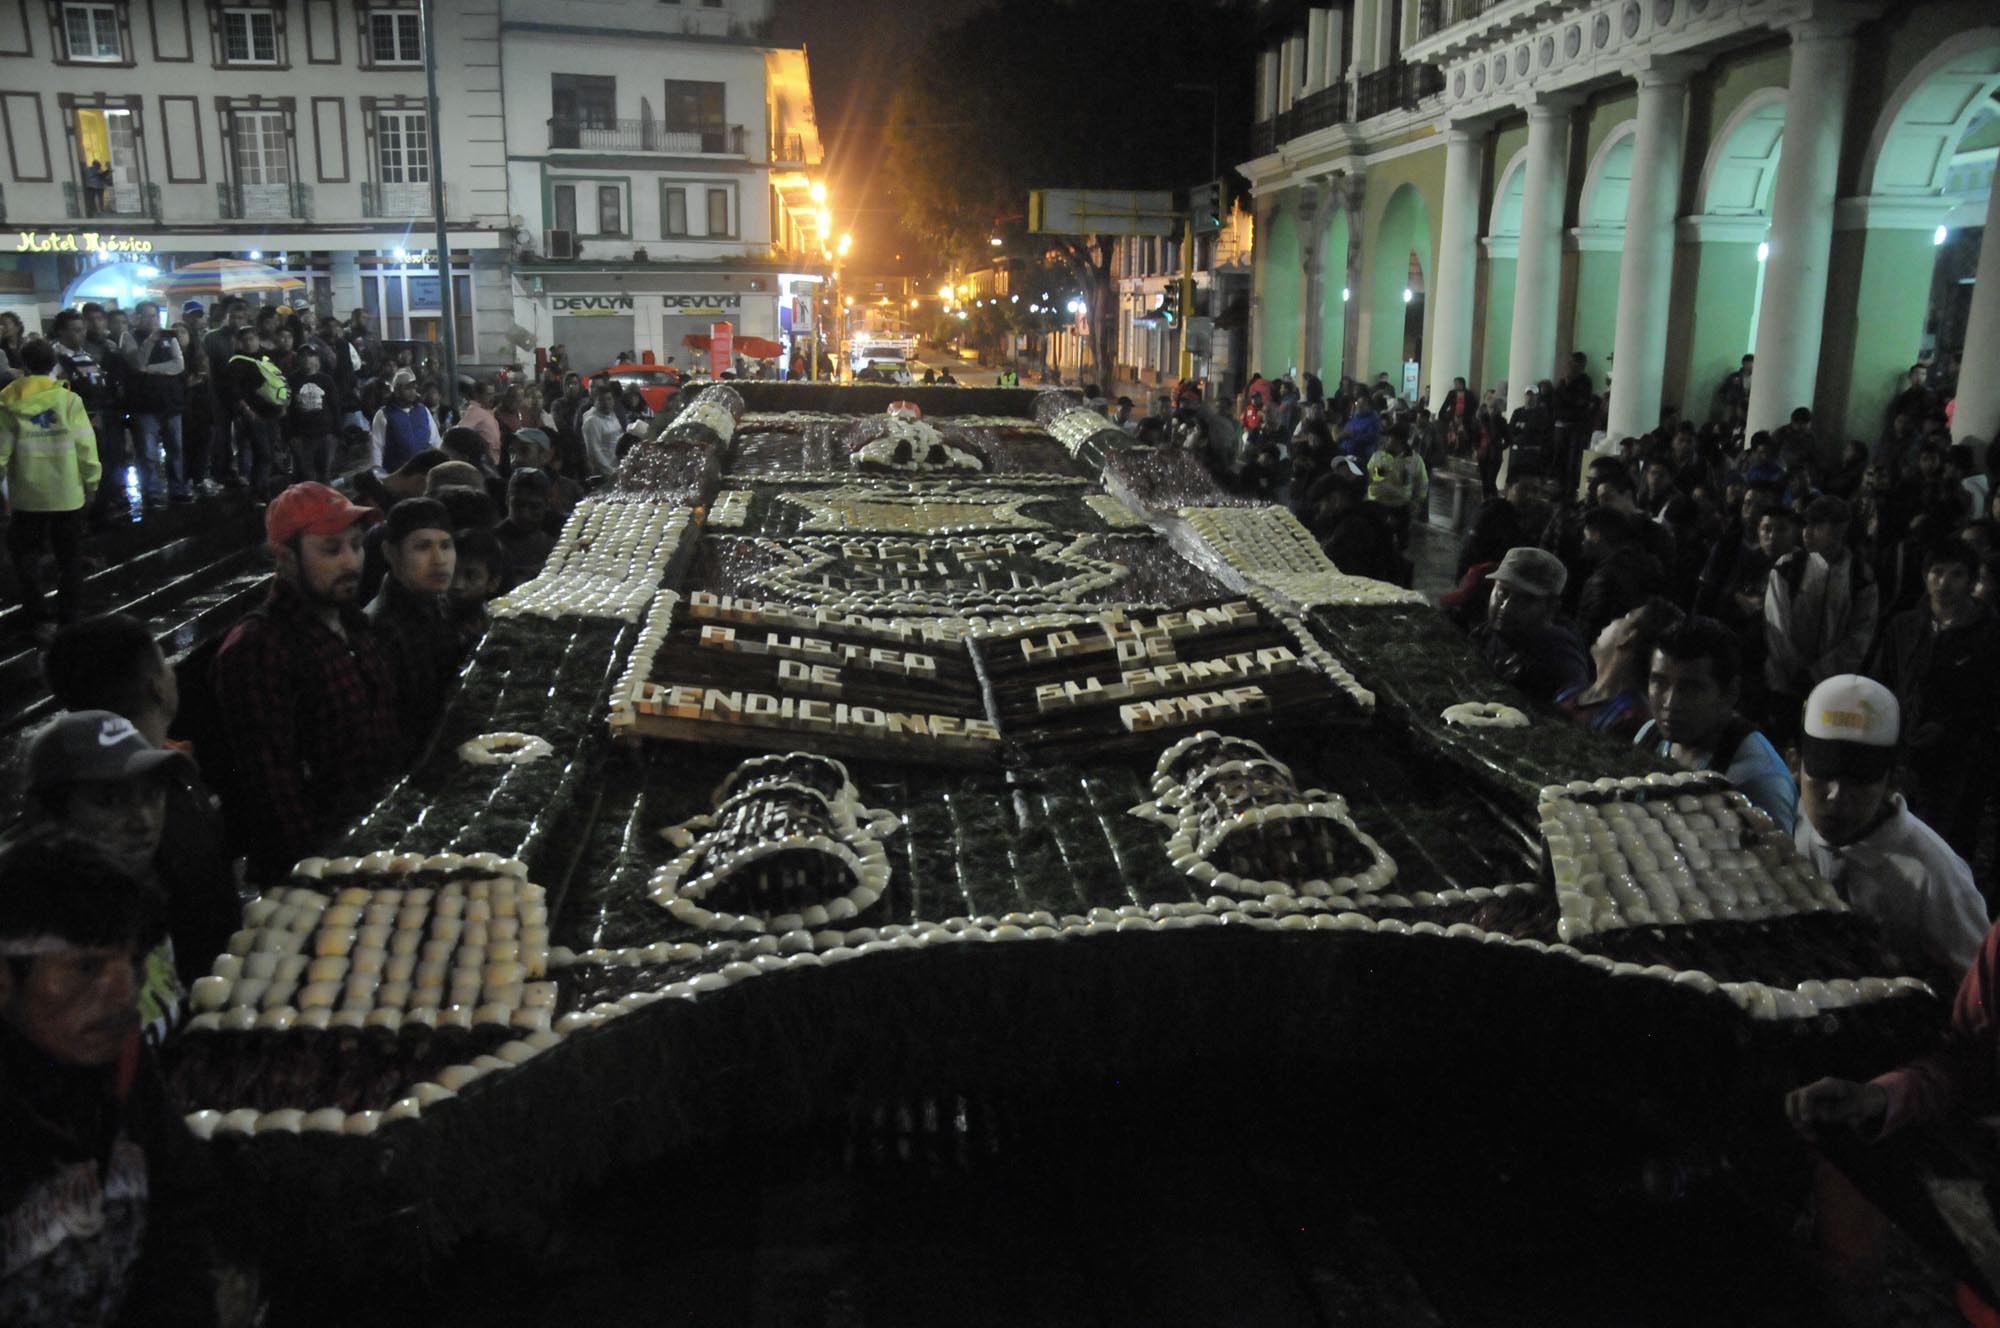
[(105, 1202), (251, 407), (155, 399), (218, 345), (309, 701), (1522, 638), (1622, 574), (1941, 659), (1354, 532), (410, 615)]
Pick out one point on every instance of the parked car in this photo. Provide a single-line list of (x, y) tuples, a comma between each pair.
[(657, 383)]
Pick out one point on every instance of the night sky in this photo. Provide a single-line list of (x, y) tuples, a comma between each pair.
[(858, 50)]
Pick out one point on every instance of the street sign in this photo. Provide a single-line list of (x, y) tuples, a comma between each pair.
[(721, 348), (1101, 212), (1205, 206)]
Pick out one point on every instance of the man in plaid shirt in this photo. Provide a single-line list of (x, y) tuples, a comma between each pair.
[(308, 697)]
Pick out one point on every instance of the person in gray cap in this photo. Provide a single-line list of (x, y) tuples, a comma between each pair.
[(1523, 639), (93, 776)]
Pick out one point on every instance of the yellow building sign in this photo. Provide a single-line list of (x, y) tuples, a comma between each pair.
[(80, 242)]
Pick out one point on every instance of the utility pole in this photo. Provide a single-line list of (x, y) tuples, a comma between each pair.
[(1187, 235), (447, 287)]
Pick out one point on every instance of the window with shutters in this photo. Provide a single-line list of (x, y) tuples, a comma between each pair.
[(610, 210), (673, 212), (718, 213)]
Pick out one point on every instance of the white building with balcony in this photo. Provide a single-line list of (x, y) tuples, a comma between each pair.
[(144, 135), (662, 157), (1481, 188)]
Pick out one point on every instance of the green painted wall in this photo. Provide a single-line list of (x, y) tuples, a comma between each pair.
[(1333, 309), (1714, 97), (1498, 322), (1282, 272), (1587, 136), (1403, 229), (1891, 49), (1596, 308), (1724, 280), (1506, 144), (1872, 341), (1394, 221)]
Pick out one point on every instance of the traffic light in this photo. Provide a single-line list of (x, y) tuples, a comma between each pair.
[(1170, 304), (1205, 206)]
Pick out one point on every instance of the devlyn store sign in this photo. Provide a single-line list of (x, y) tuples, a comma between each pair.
[(586, 306)]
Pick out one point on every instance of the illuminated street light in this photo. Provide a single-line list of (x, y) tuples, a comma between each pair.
[(1408, 295), (1346, 294), (849, 302), (846, 243), (1937, 236), (825, 220), (945, 292), (1763, 251), (997, 242), (1013, 299), (819, 191)]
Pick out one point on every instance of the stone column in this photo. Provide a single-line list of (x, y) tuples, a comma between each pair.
[(1267, 84), (1452, 296), (1977, 414), (1531, 348), (1794, 307), (1646, 271)]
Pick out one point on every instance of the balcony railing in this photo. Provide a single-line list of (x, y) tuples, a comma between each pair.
[(1395, 87), (125, 200), (1319, 110), (789, 148), (590, 135), (1326, 107), (1437, 15), (395, 200), (261, 202)]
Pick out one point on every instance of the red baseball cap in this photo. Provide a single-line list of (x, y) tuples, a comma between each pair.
[(314, 509)]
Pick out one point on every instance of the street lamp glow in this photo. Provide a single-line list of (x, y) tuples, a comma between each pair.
[(256, 254), (961, 314), (945, 291), (997, 242), (1408, 295), (1937, 236), (848, 302), (825, 220), (1346, 294), (913, 303), (818, 191), (1763, 250), (1013, 299), (846, 243)]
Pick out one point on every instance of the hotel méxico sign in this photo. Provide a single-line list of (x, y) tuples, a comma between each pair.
[(86, 242)]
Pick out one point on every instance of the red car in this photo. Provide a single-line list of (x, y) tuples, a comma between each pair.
[(657, 383)]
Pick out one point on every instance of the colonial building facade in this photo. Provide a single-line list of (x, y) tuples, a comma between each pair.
[(146, 135), (663, 158), (1480, 188)]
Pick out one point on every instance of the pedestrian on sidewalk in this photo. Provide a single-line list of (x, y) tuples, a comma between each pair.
[(48, 452)]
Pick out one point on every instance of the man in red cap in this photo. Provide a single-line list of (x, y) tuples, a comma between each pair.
[(308, 698)]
